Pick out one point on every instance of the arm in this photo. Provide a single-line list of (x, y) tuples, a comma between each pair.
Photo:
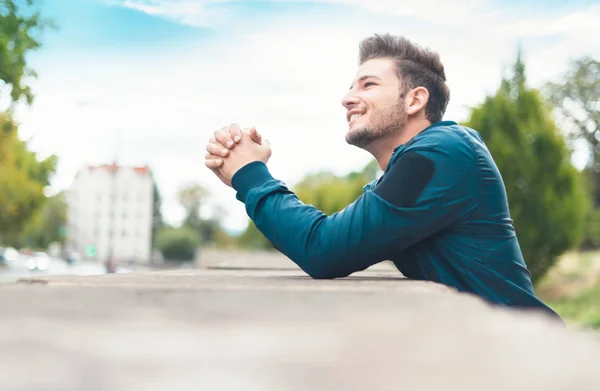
[(424, 191)]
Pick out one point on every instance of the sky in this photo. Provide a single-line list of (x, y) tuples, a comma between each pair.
[(146, 82)]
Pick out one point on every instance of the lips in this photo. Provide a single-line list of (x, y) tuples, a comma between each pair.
[(354, 114)]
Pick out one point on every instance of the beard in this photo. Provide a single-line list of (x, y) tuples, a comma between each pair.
[(383, 122)]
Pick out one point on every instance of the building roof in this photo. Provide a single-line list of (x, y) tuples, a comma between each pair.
[(113, 167)]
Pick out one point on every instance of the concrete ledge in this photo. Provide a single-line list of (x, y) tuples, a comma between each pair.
[(209, 258), (277, 330)]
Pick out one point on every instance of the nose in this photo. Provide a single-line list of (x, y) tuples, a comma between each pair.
[(350, 100)]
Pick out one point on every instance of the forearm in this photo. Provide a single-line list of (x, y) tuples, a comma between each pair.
[(323, 246)]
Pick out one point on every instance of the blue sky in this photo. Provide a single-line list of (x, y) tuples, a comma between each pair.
[(149, 80)]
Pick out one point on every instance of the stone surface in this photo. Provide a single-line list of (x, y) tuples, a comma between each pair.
[(218, 259), (277, 330)]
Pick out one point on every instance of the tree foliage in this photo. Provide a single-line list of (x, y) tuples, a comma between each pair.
[(22, 181), (20, 29), (22, 176), (330, 193), (546, 193), (576, 99), (192, 198), (157, 218), (47, 225)]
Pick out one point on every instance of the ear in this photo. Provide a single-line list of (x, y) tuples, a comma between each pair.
[(416, 100)]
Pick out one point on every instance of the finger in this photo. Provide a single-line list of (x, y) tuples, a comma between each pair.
[(254, 135), (213, 163), (217, 150), (235, 132), (210, 156), (217, 160), (222, 136)]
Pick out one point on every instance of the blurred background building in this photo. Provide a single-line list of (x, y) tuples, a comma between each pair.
[(110, 213)]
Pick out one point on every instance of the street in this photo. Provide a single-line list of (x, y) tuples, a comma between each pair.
[(15, 270)]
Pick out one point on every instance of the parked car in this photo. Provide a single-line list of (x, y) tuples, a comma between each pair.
[(38, 261)]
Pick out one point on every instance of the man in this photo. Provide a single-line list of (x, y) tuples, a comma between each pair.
[(439, 211)]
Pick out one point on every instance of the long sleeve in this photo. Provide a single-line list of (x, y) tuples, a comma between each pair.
[(425, 190)]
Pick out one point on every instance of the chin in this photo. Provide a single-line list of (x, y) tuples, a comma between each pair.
[(357, 137)]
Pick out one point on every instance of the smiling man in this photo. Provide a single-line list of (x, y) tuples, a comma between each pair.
[(439, 211)]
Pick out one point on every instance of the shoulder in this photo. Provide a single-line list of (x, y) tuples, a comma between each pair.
[(450, 148), (442, 156), (446, 145), (438, 162)]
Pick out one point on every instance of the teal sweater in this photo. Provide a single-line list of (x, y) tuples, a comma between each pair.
[(439, 212)]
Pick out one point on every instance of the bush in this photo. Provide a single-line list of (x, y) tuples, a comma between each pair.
[(591, 235), (178, 244), (582, 309)]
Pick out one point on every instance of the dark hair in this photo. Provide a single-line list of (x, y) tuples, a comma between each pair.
[(416, 67)]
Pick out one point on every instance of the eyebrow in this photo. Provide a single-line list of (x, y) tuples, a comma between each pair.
[(364, 77)]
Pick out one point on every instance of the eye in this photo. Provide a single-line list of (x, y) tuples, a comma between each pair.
[(369, 83)]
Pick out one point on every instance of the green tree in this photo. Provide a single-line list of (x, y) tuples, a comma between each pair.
[(210, 230), (576, 98), (47, 225), (20, 28), (546, 193), (191, 198), (330, 193), (157, 219), (253, 239), (577, 101), (178, 244), (22, 176), (22, 181)]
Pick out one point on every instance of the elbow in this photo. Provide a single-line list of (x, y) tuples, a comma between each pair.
[(325, 269), (319, 275)]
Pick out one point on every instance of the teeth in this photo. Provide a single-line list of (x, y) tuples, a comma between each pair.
[(354, 116)]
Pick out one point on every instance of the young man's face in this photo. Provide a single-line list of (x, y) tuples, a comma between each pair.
[(374, 107)]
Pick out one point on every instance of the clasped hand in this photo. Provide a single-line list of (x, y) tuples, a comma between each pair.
[(230, 149)]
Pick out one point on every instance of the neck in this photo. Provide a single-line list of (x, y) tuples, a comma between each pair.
[(383, 148)]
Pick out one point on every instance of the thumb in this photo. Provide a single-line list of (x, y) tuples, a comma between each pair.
[(254, 135)]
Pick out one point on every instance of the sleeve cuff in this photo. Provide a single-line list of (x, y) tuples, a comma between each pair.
[(248, 177)]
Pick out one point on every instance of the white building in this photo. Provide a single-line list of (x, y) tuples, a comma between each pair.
[(110, 212)]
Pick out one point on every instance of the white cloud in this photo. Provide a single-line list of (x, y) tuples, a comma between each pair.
[(283, 74), (189, 12), (581, 24)]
